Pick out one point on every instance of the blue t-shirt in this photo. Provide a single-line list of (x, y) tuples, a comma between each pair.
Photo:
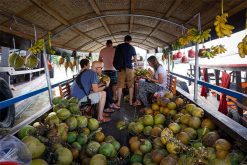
[(126, 51), (88, 78)]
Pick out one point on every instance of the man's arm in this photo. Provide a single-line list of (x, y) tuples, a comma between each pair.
[(96, 88), (100, 57), (100, 87), (135, 58), (134, 55), (159, 80)]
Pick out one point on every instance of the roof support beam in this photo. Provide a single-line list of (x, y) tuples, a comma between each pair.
[(97, 11), (141, 46), (98, 49), (120, 33), (138, 44), (21, 20), (153, 38), (71, 40), (51, 12), (230, 12), (92, 47), (173, 8), (167, 15), (85, 44), (29, 37), (58, 17), (117, 15), (132, 6)]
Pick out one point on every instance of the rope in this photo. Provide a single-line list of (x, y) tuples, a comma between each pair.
[(13, 40), (246, 22), (183, 30), (35, 33), (222, 7), (49, 39)]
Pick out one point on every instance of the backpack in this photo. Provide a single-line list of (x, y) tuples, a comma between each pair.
[(119, 59)]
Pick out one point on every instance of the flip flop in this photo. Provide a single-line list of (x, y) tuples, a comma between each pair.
[(108, 110), (104, 120), (106, 115), (136, 103), (115, 106)]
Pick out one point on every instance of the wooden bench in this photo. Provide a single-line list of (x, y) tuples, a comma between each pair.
[(171, 83), (64, 89)]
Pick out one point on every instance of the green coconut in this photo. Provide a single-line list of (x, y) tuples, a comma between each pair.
[(57, 100), (73, 100), (64, 156), (16, 61), (74, 108), (52, 119), (93, 124), (82, 121), (31, 61), (35, 147), (107, 149), (92, 148), (98, 159), (82, 139), (39, 162), (72, 123), (63, 114), (26, 131)]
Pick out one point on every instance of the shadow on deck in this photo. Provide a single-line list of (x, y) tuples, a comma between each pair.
[(127, 113)]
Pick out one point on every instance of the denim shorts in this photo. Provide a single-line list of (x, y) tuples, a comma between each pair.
[(112, 74)]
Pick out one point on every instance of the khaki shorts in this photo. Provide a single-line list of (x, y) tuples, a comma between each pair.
[(94, 97), (125, 76)]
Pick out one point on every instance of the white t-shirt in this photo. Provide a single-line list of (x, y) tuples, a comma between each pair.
[(161, 70)]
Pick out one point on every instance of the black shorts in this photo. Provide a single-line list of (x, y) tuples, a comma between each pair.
[(112, 74)]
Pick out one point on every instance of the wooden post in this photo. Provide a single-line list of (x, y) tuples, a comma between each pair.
[(206, 74), (5, 63), (190, 73), (239, 88), (200, 73), (246, 76), (217, 77)]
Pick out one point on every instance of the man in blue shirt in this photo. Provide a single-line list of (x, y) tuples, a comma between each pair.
[(94, 90), (123, 63)]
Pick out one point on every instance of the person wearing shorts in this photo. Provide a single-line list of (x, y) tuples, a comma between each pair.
[(106, 56), (123, 63), (89, 80)]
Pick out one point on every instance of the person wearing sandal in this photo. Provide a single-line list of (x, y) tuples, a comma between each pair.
[(106, 55), (110, 105), (90, 82), (154, 83), (123, 63)]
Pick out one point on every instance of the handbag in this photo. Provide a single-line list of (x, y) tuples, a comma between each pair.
[(80, 85)]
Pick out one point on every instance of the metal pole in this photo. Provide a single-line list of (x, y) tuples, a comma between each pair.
[(47, 75), (145, 61), (196, 71), (196, 74), (77, 64), (169, 61)]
